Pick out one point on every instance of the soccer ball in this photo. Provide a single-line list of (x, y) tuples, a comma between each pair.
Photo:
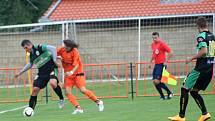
[(28, 112)]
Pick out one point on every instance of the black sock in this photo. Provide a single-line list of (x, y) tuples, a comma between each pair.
[(159, 90), (183, 102), (199, 100), (162, 85), (33, 101), (59, 92)]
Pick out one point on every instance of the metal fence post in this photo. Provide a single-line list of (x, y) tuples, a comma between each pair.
[(132, 82), (47, 99)]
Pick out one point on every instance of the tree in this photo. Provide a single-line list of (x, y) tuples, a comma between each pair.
[(22, 11)]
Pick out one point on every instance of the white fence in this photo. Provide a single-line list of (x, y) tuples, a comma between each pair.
[(105, 40)]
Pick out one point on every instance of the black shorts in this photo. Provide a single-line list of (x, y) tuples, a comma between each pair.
[(204, 79), (41, 81), (157, 71), (199, 79)]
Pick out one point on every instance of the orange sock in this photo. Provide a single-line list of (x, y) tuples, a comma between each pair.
[(90, 94), (73, 100)]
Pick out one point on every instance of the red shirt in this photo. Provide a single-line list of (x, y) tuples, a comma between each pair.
[(159, 50), (70, 60)]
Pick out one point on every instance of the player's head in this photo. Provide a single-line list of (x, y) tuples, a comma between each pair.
[(70, 44), (201, 23), (155, 36), (27, 45)]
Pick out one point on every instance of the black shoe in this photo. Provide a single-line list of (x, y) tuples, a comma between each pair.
[(169, 96)]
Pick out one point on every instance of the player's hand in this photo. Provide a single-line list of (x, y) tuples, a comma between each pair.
[(149, 66), (17, 75), (69, 73), (188, 60), (166, 62), (59, 65), (59, 57)]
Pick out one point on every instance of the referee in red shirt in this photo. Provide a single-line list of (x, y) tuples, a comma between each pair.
[(159, 50)]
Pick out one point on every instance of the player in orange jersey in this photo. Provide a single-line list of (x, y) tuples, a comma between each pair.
[(74, 74)]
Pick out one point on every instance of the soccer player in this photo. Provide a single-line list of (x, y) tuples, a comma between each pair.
[(74, 75), (159, 50), (44, 58), (199, 78)]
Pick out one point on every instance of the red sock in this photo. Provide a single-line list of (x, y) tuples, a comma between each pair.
[(90, 94), (73, 100)]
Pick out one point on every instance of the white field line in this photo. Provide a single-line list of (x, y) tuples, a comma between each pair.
[(14, 109)]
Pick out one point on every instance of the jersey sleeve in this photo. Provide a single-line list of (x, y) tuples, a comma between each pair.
[(201, 42), (44, 47), (59, 51), (166, 48)]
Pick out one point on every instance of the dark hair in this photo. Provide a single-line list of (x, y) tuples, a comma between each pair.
[(201, 22), (70, 43), (25, 41), (155, 33)]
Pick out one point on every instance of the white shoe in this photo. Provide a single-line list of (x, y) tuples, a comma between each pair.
[(100, 105), (77, 111), (61, 104)]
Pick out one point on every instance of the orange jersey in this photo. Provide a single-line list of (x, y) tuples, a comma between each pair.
[(70, 60)]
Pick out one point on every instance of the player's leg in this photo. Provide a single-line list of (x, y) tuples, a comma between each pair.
[(183, 105), (81, 84), (39, 83), (158, 87), (201, 84), (162, 85), (33, 98), (58, 91), (169, 93), (188, 84), (68, 85), (200, 102), (156, 80), (54, 82)]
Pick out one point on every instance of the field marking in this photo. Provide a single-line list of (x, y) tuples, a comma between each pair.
[(10, 110)]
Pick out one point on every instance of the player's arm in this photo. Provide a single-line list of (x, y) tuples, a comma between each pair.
[(152, 58), (25, 68), (75, 63), (169, 52), (202, 46), (53, 51), (72, 71), (202, 53), (169, 56)]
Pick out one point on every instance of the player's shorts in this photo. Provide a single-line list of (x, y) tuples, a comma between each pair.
[(198, 80), (41, 81), (78, 80), (157, 71)]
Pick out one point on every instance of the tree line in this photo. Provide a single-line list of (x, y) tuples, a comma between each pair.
[(22, 11)]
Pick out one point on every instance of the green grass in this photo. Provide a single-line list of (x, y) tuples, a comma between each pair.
[(116, 109), (140, 109)]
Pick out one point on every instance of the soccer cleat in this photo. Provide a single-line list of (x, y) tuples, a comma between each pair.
[(176, 118), (61, 104), (204, 117), (78, 110), (100, 105), (169, 96), (162, 98)]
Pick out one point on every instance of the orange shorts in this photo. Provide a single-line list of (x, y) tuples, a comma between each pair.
[(78, 81)]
